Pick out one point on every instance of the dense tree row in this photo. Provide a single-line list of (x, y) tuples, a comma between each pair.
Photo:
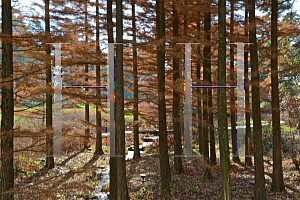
[(153, 56)]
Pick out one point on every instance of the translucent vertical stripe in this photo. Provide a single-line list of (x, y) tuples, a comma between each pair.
[(110, 100), (240, 100), (187, 101), (57, 143)]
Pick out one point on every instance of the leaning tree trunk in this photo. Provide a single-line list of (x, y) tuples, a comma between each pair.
[(259, 188), (163, 147), (49, 136), (277, 179), (248, 139), (222, 108), (7, 105), (176, 98), (135, 88), (98, 148)]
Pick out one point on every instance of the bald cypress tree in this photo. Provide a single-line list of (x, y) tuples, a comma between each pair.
[(163, 147), (259, 188), (98, 149), (49, 136), (7, 105), (277, 179), (222, 108)]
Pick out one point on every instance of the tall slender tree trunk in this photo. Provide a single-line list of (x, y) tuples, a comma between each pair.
[(222, 108), (135, 88), (163, 147), (176, 97), (7, 105), (259, 189), (213, 158), (87, 106), (122, 192), (248, 139), (232, 93), (98, 149), (206, 66), (277, 179), (113, 160), (49, 136), (200, 124)]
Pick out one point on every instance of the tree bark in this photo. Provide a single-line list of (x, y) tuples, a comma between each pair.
[(86, 106), (113, 161), (277, 179), (136, 88), (49, 125), (206, 66), (222, 108), (232, 93), (122, 192), (200, 123), (248, 139), (98, 148), (176, 97), (213, 158), (259, 188), (7, 105), (163, 147)]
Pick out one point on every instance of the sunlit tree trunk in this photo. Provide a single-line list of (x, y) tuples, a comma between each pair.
[(259, 188), (7, 105), (49, 136), (277, 179), (222, 108)]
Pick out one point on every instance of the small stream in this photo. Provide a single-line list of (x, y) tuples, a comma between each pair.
[(104, 178)]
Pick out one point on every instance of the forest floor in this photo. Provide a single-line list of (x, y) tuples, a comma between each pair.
[(191, 185), (73, 178)]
